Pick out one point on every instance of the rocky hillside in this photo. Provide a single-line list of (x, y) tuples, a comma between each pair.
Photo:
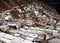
[(32, 22)]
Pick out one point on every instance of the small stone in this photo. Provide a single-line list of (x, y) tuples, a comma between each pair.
[(33, 35)]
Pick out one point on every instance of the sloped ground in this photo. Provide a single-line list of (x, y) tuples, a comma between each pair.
[(8, 4), (30, 23)]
